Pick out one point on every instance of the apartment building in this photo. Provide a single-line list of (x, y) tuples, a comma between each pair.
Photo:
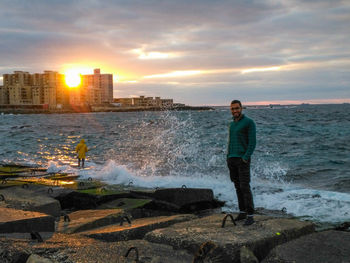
[(3, 95), (85, 95), (143, 101), (23, 88), (94, 89), (98, 82), (16, 87), (125, 102), (167, 102)]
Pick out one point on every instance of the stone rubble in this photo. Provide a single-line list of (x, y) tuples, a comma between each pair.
[(163, 225)]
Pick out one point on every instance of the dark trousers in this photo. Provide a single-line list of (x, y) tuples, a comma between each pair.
[(240, 176), (82, 161)]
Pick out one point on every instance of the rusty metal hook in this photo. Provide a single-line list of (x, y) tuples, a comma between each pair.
[(224, 220), (66, 218), (136, 251), (127, 219), (36, 235)]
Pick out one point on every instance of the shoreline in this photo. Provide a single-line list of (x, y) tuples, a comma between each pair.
[(319, 224), (165, 225), (94, 109)]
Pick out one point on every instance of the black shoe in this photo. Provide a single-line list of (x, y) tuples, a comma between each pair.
[(249, 221), (241, 216)]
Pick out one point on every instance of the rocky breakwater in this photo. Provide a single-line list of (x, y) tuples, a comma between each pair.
[(95, 223)]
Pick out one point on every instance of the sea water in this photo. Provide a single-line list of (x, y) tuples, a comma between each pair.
[(301, 161)]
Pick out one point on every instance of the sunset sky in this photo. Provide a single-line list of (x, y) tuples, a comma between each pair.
[(204, 52)]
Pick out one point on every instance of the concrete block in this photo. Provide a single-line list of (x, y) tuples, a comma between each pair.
[(18, 221), (84, 220), (137, 229), (261, 237), (184, 196), (327, 247), (28, 199), (33, 258)]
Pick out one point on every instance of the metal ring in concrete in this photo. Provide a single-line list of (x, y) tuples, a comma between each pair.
[(224, 220), (136, 251), (127, 219), (36, 235), (66, 218)]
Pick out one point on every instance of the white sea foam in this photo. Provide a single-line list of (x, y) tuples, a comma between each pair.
[(317, 205), (270, 191), (171, 149)]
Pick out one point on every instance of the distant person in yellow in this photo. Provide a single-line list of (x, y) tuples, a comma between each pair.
[(81, 149)]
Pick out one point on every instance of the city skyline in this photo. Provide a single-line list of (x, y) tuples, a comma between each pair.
[(198, 52), (56, 90)]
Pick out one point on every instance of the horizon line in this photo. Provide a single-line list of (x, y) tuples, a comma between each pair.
[(284, 103)]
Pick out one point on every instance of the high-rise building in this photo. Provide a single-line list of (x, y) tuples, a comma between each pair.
[(22, 88), (3, 95), (98, 83), (18, 87)]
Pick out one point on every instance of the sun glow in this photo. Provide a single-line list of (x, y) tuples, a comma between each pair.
[(182, 73), (260, 69), (152, 55), (72, 78)]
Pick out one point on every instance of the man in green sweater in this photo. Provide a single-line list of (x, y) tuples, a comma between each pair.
[(241, 145)]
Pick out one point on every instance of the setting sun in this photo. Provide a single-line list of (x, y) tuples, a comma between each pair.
[(73, 79)]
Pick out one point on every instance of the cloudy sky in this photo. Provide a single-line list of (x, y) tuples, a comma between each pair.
[(199, 52)]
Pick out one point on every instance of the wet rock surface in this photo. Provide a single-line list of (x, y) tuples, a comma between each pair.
[(184, 196), (327, 246), (84, 220), (19, 221), (103, 224), (247, 256), (259, 237), (135, 229), (75, 248), (28, 199)]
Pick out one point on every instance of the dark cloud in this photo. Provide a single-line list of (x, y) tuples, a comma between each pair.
[(205, 34)]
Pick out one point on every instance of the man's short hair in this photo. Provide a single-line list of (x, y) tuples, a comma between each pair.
[(236, 101)]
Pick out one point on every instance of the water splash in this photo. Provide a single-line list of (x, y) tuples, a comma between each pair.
[(169, 149)]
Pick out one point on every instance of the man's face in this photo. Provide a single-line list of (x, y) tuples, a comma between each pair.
[(236, 110)]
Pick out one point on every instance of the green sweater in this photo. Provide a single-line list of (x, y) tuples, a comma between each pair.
[(242, 138)]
